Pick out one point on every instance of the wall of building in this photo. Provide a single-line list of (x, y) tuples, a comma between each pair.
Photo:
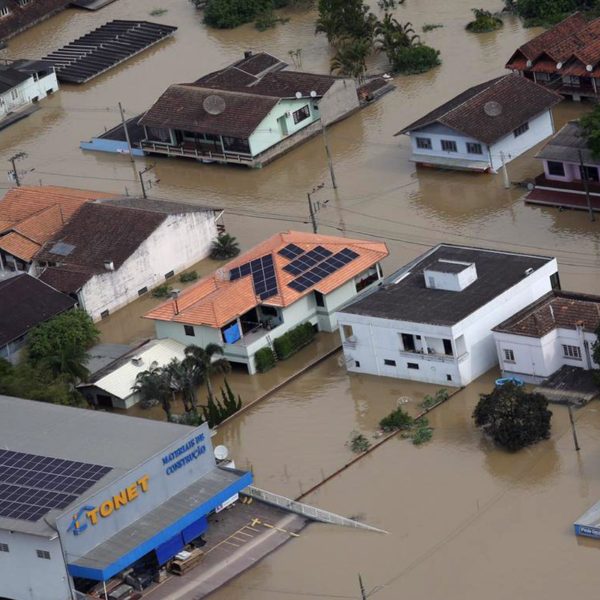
[(540, 128), (180, 241), (203, 335), (25, 576), (27, 91), (23, 17), (340, 100)]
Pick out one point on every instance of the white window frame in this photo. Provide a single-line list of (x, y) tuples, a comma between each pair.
[(509, 355), (423, 143), (451, 143), (572, 352), (4, 11), (521, 129), (43, 554)]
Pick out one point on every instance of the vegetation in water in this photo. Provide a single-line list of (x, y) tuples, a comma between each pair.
[(397, 420), (225, 246), (162, 291), (416, 59), (158, 12), (350, 59), (431, 26), (430, 401), (267, 20), (549, 12), (422, 432), (188, 276), (294, 340), (485, 21), (512, 417), (590, 126), (265, 359), (358, 443), (596, 355)]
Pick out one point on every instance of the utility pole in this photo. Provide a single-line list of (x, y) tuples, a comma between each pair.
[(13, 159), (329, 160), (504, 171), (363, 594), (586, 186), (123, 120), (575, 441), (311, 210), (141, 174)]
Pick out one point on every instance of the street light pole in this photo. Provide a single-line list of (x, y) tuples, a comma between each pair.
[(311, 210), (141, 174), (12, 160)]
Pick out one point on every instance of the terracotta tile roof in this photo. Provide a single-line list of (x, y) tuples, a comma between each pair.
[(31, 215), (555, 310), (181, 107), (520, 99), (216, 301)]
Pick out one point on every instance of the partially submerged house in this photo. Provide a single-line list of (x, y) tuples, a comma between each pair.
[(569, 168), (487, 124), (114, 250), (565, 58), (557, 330), (112, 385), (247, 113), (31, 215), (289, 279), (26, 302), (18, 15), (432, 320)]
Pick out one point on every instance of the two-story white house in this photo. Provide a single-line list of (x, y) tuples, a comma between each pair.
[(432, 320), (557, 330), (289, 279), (487, 124)]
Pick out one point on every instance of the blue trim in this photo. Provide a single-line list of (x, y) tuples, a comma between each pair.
[(166, 534)]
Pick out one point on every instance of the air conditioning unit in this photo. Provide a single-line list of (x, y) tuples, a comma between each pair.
[(137, 361)]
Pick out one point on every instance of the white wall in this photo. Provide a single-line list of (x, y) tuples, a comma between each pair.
[(379, 339), (24, 576), (25, 92), (540, 128), (180, 241), (340, 100)]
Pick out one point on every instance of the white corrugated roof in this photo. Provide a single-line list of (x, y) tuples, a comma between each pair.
[(120, 381)]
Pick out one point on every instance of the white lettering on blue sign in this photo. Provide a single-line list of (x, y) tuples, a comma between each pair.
[(185, 454)]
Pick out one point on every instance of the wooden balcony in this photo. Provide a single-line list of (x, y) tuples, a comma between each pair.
[(190, 150), (541, 181)]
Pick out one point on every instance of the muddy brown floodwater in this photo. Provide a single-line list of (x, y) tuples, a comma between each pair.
[(465, 520)]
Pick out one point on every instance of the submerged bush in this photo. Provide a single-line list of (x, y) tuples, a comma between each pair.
[(265, 359), (415, 59), (397, 420), (484, 21), (292, 341), (358, 442)]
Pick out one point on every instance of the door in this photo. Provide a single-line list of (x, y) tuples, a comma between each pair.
[(283, 125), (408, 341), (448, 348)]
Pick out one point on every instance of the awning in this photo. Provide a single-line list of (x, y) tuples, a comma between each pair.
[(450, 163), (159, 526)]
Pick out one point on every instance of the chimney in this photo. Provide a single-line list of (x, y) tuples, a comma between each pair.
[(109, 265), (174, 296), (248, 54)]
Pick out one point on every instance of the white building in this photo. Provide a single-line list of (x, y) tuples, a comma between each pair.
[(112, 386), (289, 279), (113, 251), (432, 320), (85, 495), (486, 124), (557, 330), (24, 82)]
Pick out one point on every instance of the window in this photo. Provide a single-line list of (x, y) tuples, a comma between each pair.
[(589, 173), (448, 146), (448, 351), (301, 114), (43, 554), (509, 356), (319, 298), (389, 362), (408, 341), (555, 281), (169, 274), (14, 94), (3, 547), (423, 143), (4, 11), (24, 2), (473, 148), (412, 366), (357, 364), (104, 314), (556, 168), (142, 291), (521, 129), (448, 377), (189, 330), (571, 352)]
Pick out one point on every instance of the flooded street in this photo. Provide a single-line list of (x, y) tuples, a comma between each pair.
[(466, 520)]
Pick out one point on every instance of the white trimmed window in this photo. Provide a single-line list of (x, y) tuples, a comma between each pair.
[(423, 143), (4, 11), (449, 146), (43, 554), (4, 548), (474, 148), (571, 352), (521, 129), (509, 355)]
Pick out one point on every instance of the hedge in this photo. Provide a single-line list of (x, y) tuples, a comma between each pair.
[(292, 341), (264, 359)]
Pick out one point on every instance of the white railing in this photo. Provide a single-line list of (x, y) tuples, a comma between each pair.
[(448, 358), (171, 150)]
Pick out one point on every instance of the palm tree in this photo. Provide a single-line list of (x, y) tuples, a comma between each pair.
[(153, 387), (184, 377), (351, 57), (68, 359), (225, 246), (392, 35), (207, 363)]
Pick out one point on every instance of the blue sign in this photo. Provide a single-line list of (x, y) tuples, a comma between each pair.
[(185, 454), (77, 526)]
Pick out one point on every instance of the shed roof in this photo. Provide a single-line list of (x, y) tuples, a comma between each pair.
[(518, 98), (565, 146)]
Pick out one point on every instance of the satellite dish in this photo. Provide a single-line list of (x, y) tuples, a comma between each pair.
[(298, 95), (559, 65), (530, 186), (213, 105), (492, 108), (589, 68), (529, 63), (221, 452), (313, 94)]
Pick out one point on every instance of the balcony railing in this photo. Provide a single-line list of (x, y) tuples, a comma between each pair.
[(447, 358), (192, 151), (569, 186)]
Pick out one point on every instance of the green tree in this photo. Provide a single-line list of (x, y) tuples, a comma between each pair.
[(416, 59), (484, 21), (350, 59), (184, 377), (345, 19), (590, 128), (225, 246), (391, 35), (153, 387), (513, 417), (226, 14), (548, 12), (208, 361)]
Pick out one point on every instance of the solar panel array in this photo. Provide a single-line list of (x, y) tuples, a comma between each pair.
[(32, 485), (263, 275), (291, 251), (307, 260), (323, 269)]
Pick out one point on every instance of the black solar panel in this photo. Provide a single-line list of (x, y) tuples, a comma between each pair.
[(291, 251), (263, 275), (325, 268), (31, 485), (307, 260)]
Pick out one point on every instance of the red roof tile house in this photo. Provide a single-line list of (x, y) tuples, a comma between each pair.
[(558, 330), (114, 250), (247, 113), (565, 58), (487, 124), (289, 279)]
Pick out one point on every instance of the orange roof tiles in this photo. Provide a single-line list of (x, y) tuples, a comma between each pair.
[(216, 301), (31, 215)]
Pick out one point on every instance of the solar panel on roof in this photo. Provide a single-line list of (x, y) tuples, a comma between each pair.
[(307, 260), (32, 485), (291, 251)]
